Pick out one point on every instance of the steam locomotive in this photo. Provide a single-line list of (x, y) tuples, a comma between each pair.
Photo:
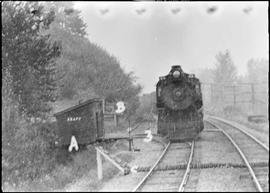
[(179, 105)]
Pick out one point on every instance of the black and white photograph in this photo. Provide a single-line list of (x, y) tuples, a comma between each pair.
[(135, 96)]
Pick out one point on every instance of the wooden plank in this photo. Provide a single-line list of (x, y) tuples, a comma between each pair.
[(110, 159), (115, 120), (99, 166)]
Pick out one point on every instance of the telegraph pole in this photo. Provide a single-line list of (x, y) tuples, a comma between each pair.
[(252, 97), (129, 139), (211, 90), (234, 96)]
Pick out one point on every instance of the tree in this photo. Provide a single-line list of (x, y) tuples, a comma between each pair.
[(87, 69), (28, 57), (28, 70), (257, 74), (223, 74), (225, 70), (257, 70), (67, 19), (147, 108), (69, 28)]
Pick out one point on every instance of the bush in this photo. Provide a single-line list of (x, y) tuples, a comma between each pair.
[(29, 153), (147, 109)]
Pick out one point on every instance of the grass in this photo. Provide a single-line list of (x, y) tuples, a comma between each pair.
[(64, 174), (79, 173)]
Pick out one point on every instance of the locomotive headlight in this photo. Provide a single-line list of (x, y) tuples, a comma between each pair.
[(176, 74)]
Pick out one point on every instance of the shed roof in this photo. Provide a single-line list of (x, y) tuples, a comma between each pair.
[(79, 105)]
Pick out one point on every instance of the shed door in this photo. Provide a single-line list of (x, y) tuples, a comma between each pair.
[(98, 123)]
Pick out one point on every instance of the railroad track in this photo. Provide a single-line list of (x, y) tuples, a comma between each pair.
[(250, 149), (168, 180)]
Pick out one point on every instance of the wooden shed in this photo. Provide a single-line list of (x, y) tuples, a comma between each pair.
[(84, 121)]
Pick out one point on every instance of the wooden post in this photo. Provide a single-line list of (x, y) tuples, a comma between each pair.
[(99, 165), (103, 105), (222, 92), (211, 90), (129, 140), (202, 90), (234, 96), (115, 119), (221, 101)]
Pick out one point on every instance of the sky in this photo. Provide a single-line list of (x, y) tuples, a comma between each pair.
[(149, 37)]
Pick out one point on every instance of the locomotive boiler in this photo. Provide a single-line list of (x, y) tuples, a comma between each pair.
[(179, 105)]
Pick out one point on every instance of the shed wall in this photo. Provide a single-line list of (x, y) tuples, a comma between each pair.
[(85, 123)]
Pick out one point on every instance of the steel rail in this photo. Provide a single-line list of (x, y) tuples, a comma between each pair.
[(186, 175), (254, 178), (240, 129), (211, 130), (153, 167)]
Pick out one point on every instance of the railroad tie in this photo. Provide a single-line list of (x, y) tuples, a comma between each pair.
[(201, 166)]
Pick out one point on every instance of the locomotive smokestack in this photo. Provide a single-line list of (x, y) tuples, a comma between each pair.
[(176, 67)]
